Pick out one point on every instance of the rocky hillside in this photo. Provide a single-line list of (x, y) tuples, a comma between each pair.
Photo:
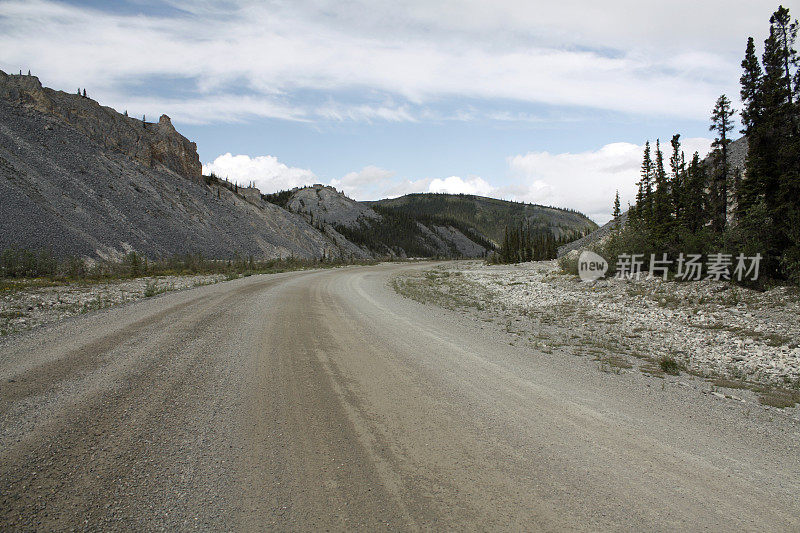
[(382, 231), (152, 144), (82, 180), (489, 216), (327, 205)]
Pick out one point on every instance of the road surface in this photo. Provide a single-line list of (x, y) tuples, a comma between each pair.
[(322, 400)]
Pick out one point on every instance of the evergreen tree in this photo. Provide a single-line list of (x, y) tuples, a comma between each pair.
[(751, 86), (662, 211), (784, 32), (771, 118), (617, 211), (694, 207), (677, 165), (722, 124), (644, 196), (752, 104)]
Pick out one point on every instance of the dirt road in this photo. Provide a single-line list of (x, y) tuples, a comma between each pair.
[(321, 399)]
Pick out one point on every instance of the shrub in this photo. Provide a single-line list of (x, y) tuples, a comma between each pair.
[(18, 263), (669, 365)]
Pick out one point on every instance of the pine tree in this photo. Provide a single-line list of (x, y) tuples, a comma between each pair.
[(617, 212), (677, 165), (661, 218), (784, 32), (752, 112), (771, 119), (694, 207), (644, 196), (722, 124), (751, 87)]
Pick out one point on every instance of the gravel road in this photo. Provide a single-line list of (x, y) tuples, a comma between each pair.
[(323, 400)]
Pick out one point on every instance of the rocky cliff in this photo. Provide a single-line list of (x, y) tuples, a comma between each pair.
[(82, 180), (152, 144), (326, 204)]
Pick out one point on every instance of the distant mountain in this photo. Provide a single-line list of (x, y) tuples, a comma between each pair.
[(383, 231), (489, 216)]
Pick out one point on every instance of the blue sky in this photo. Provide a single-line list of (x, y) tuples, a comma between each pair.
[(533, 101)]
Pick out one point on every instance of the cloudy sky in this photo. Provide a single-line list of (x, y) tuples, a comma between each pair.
[(545, 102)]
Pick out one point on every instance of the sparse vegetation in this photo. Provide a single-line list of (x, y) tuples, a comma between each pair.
[(42, 265), (780, 398), (669, 365)]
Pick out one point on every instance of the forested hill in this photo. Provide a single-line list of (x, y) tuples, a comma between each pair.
[(489, 216)]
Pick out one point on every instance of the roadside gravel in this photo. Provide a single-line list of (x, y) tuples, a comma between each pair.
[(711, 329), (27, 304)]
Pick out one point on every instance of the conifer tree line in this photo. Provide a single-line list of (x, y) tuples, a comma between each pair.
[(710, 206), (525, 242)]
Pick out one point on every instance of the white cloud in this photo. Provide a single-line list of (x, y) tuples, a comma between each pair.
[(606, 55), (369, 183), (586, 181), (207, 109), (457, 185), (265, 171)]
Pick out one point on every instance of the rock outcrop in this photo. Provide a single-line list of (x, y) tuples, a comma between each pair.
[(325, 204), (152, 144), (67, 187)]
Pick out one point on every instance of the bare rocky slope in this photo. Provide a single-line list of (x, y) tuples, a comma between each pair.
[(80, 179)]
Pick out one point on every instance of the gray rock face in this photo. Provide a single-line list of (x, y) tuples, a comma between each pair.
[(62, 189), (447, 241), (596, 236), (152, 144), (326, 204)]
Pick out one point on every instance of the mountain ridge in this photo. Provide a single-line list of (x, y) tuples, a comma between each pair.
[(80, 179)]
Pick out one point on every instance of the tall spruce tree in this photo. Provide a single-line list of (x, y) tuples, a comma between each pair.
[(752, 112), (662, 210), (769, 208), (785, 33), (722, 124), (695, 214), (677, 165), (644, 196)]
